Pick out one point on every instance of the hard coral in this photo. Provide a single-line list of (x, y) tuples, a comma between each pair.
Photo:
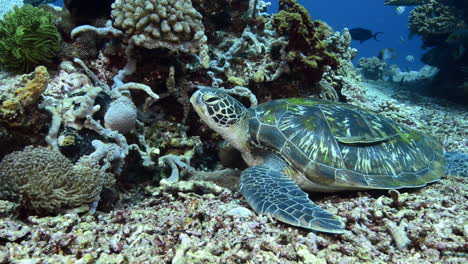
[(435, 18), (306, 48), (28, 38), (172, 24), (45, 181)]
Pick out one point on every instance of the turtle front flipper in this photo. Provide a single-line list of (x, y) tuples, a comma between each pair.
[(268, 191)]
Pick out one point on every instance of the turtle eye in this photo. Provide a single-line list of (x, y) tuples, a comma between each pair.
[(211, 99)]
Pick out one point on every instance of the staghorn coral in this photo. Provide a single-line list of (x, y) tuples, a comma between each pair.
[(175, 25), (28, 38), (306, 49), (44, 181)]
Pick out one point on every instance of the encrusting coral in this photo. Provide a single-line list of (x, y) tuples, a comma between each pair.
[(44, 181), (28, 38), (14, 102), (19, 114)]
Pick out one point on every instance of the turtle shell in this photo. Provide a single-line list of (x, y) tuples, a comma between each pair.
[(336, 146)]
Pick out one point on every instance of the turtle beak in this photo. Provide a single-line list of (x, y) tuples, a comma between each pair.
[(196, 98), (197, 103)]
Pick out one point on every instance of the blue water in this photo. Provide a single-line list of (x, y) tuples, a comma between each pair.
[(373, 15)]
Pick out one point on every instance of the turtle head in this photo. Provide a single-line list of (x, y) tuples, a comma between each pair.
[(221, 112)]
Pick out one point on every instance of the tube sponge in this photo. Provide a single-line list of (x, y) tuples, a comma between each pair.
[(45, 181)]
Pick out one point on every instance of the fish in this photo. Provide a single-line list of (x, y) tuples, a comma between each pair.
[(402, 39), (39, 2), (387, 54), (400, 10), (363, 34), (409, 58)]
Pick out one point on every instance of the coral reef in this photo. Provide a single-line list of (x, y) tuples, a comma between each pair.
[(44, 181), (19, 114), (306, 48), (344, 83), (434, 18), (441, 24), (28, 38), (372, 68)]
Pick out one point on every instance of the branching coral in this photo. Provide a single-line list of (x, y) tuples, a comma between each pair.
[(28, 38), (45, 181), (306, 48)]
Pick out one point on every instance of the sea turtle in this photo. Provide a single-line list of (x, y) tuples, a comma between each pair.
[(316, 145)]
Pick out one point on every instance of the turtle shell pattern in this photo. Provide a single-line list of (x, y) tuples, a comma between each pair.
[(344, 146)]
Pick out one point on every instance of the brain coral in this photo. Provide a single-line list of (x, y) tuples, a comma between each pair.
[(172, 24), (45, 181)]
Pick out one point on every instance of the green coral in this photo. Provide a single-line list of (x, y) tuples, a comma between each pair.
[(306, 46), (28, 38)]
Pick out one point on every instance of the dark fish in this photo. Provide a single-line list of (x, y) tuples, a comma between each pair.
[(363, 34), (38, 2)]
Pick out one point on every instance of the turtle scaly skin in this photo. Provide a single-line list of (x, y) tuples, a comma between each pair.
[(315, 145)]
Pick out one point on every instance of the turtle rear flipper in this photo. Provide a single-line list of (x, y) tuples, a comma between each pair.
[(268, 191), (456, 164)]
